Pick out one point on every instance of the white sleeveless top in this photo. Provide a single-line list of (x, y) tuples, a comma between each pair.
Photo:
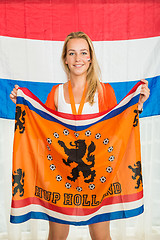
[(66, 107)]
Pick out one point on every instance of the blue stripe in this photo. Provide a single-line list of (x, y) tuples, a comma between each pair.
[(98, 218), (21, 100), (41, 90)]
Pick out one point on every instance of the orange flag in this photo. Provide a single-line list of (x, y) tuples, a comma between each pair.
[(76, 169)]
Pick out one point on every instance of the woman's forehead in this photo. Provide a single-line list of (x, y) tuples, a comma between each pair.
[(77, 44)]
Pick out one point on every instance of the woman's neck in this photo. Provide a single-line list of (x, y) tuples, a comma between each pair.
[(78, 81)]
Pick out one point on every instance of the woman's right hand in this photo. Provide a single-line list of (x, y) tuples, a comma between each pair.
[(13, 95)]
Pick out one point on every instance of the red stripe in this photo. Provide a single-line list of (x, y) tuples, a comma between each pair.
[(101, 20), (79, 211), (71, 116)]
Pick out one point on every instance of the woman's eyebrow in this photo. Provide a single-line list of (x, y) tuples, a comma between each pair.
[(80, 50)]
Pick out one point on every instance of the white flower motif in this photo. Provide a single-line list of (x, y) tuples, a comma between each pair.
[(58, 178), (52, 167), (102, 179), (88, 133), (49, 157), (91, 186), (111, 158), (110, 149), (68, 185), (98, 135), (106, 141), (56, 135), (109, 169), (65, 132)]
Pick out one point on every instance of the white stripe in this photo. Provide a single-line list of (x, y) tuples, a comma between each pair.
[(39, 61), (105, 209), (77, 122)]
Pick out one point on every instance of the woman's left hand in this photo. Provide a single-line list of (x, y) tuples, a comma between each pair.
[(145, 92)]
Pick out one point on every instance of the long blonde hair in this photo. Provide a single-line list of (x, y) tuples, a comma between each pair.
[(93, 72)]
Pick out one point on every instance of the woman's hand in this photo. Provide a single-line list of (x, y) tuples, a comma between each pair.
[(13, 95), (145, 92)]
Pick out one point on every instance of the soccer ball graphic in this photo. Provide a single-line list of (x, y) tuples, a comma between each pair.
[(49, 140), (68, 185), (52, 167), (79, 189), (91, 186), (106, 141), (56, 135), (65, 132), (109, 169), (88, 133), (110, 149), (102, 179), (58, 178), (98, 135), (111, 158), (49, 157)]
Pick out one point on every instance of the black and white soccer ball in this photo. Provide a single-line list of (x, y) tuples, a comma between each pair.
[(52, 167), (49, 140), (102, 179), (58, 178), (49, 157), (109, 169), (68, 185), (106, 141), (65, 132), (110, 149), (79, 189), (56, 135), (111, 158), (88, 133), (76, 134), (91, 186), (98, 135)]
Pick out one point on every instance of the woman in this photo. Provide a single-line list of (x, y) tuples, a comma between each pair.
[(82, 93)]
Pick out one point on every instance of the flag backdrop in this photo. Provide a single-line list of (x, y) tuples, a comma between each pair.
[(126, 37), (76, 169)]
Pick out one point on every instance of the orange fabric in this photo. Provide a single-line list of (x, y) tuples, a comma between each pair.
[(106, 100)]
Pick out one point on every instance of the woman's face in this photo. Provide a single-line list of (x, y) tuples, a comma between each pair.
[(78, 56)]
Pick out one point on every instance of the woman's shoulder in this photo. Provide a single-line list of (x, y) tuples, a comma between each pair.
[(50, 102), (107, 97)]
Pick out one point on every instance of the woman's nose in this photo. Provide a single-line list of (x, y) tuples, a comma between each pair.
[(78, 58)]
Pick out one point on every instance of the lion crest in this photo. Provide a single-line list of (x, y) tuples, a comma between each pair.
[(20, 120), (18, 180), (76, 154), (137, 173)]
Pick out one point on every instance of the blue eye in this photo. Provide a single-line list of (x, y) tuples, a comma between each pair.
[(84, 53), (71, 53)]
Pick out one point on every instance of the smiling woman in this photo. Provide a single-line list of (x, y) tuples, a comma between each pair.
[(83, 93)]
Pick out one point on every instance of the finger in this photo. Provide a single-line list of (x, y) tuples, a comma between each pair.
[(145, 92), (16, 87), (12, 98), (144, 81), (15, 90), (14, 93), (144, 86)]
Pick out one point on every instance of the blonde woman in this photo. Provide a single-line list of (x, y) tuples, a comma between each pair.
[(82, 93)]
